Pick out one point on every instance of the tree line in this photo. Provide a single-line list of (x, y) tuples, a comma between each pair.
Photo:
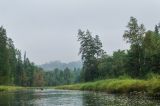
[(16, 69), (139, 61), (62, 77)]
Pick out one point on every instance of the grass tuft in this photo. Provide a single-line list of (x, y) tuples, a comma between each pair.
[(9, 88)]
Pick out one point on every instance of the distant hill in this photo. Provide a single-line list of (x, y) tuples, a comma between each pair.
[(61, 65)]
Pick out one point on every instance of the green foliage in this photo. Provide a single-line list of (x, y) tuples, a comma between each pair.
[(62, 77), (10, 88), (142, 58), (118, 86), (13, 69), (4, 58), (135, 32), (113, 66), (125, 76), (157, 28), (134, 36), (152, 76), (140, 61), (90, 50)]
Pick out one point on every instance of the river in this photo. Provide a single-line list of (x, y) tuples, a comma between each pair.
[(51, 97)]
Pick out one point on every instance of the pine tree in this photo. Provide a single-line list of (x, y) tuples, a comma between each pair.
[(135, 35), (90, 50), (4, 58)]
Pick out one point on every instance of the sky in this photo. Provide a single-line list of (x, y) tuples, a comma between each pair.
[(47, 29)]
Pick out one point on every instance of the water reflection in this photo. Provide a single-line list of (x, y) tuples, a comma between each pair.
[(15, 98), (103, 99), (72, 98)]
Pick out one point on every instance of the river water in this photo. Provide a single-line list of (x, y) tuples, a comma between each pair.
[(51, 97)]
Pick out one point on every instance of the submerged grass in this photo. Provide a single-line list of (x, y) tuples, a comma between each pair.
[(151, 86), (10, 88)]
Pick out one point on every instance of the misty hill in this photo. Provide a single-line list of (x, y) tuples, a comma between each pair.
[(60, 65)]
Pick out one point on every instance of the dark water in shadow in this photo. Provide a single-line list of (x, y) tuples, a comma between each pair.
[(50, 97)]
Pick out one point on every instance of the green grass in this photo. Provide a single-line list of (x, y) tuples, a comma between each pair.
[(151, 86), (10, 88)]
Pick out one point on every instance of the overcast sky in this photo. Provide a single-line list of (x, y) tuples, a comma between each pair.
[(47, 29)]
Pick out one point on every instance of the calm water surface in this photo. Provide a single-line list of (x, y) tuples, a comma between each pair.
[(50, 97)]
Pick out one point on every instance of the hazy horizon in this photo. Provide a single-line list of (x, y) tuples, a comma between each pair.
[(47, 29)]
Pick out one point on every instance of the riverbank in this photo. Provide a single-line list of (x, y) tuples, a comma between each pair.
[(150, 86), (10, 88)]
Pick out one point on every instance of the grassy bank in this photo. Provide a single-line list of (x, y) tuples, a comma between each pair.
[(151, 86), (10, 88)]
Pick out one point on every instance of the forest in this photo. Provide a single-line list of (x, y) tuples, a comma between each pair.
[(140, 61), (17, 69)]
